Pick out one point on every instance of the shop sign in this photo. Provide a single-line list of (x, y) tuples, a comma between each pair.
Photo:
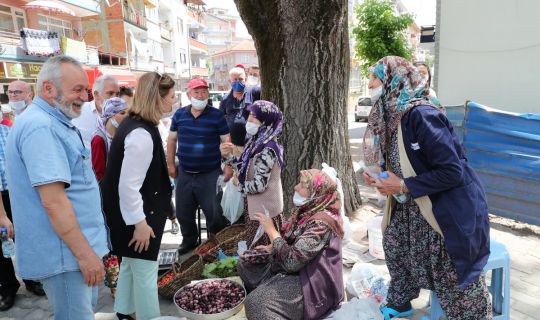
[(75, 49), (22, 70)]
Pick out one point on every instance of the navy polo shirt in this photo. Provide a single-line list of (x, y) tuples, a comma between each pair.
[(199, 138), (232, 107)]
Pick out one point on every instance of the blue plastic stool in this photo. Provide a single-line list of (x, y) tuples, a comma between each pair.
[(499, 265)]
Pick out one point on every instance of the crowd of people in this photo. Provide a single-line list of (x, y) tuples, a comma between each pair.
[(91, 183)]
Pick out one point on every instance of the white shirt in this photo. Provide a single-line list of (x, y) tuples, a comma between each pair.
[(138, 147), (87, 122)]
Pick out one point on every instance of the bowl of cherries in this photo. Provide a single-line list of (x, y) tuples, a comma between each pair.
[(212, 299)]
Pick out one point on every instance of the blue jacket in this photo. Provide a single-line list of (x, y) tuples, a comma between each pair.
[(458, 198)]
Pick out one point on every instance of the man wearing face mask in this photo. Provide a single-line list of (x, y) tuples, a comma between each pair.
[(197, 130), (235, 106), (105, 87), (19, 95), (253, 76)]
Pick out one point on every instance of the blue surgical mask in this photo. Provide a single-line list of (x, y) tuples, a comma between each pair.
[(238, 86)]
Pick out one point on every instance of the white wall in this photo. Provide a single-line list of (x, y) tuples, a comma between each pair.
[(489, 52)]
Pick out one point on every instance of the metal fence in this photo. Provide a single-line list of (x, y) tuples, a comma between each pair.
[(504, 149)]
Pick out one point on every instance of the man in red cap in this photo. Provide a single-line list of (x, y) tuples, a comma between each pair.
[(197, 130)]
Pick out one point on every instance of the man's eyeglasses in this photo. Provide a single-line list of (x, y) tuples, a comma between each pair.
[(15, 92)]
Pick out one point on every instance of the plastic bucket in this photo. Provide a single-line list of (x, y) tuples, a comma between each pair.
[(375, 237)]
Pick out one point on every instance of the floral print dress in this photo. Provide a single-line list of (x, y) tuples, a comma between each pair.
[(416, 257)]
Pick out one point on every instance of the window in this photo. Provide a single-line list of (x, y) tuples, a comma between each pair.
[(63, 27), (183, 59), (180, 26), (11, 19)]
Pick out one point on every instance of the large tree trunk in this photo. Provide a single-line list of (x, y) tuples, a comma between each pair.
[(303, 48)]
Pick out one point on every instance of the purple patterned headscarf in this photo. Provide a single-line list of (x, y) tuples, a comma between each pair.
[(271, 127), (111, 107)]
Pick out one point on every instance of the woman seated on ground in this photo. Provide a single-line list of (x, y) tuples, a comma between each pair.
[(302, 277), (259, 167)]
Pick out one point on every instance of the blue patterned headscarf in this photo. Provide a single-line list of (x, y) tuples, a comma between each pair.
[(271, 127), (403, 88)]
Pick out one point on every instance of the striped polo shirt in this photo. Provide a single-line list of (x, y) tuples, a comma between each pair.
[(199, 138)]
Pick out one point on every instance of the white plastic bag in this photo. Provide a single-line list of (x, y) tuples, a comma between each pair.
[(260, 229), (360, 309), (232, 202), (365, 281)]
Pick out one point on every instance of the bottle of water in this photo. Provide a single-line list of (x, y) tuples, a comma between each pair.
[(8, 247), (402, 197)]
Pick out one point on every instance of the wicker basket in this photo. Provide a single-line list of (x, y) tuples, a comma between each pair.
[(229, 247), (206, 246), (183, 273), (236, 231)]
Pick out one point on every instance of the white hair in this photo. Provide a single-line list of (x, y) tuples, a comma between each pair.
[(52, 71), (100, 83), (237, 70)]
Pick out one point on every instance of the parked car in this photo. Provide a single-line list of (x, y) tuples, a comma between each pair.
[(362, 109), (217, 97)]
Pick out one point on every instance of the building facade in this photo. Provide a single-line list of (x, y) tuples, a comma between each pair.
[(22, 26), (222, 61)]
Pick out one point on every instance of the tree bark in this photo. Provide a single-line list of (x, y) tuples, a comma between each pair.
[(303, 49)]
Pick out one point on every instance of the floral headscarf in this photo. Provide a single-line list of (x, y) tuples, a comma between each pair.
[(271, 127), (324, 197), (111, 107), (403, 88)]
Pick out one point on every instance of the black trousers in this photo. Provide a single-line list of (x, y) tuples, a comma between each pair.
[(193, 191), (8, 282)]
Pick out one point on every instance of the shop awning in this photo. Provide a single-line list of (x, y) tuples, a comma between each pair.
[(125, 77)]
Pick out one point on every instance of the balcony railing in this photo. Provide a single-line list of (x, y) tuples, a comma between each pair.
[(197, 44), (165, 33), (10, 38), (135, 18)]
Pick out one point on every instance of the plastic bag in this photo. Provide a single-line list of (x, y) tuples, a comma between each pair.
[(361, 309), (365, 281), (232, 202), (260, 230)]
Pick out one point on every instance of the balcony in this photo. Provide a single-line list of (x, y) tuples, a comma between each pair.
[(166, 33), (198, 71), (9, 38), (198, 46), (196, 17), (135, 18)]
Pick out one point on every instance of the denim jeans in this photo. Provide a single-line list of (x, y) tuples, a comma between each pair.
[(193, 190), (69, 297)]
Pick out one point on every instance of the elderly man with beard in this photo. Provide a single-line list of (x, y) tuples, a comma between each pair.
[(55, 200)]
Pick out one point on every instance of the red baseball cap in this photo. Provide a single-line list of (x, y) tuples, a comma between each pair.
[(240, 66), (197, 83)]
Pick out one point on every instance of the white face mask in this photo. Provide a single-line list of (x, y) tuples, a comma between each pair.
[(298, 200), (252, 81), (252, 128), (17, 105), (114, 123), (198, 104), (170, 113), (376, 93)]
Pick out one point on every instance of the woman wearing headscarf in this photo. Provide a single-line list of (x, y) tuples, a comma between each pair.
[(436, 227), (114, 111), (259, 166), (306, 277)]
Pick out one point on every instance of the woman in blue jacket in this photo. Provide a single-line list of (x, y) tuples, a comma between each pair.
[(436, 227)]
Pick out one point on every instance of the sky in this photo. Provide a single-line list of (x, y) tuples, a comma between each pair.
[(424, 11)]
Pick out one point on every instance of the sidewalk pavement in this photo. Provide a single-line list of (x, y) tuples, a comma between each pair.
[(521, 240)]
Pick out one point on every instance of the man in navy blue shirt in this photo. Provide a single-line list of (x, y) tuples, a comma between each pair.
[(197, 130), (235, 104)]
